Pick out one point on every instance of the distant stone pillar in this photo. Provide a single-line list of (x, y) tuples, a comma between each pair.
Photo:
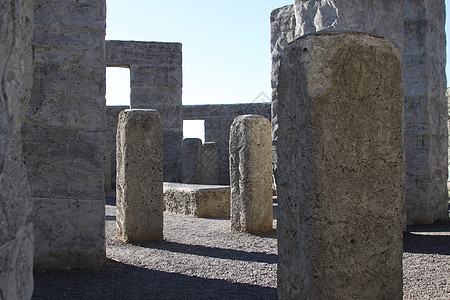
[(251, 174), (209, 166), (107, 166), (190, 160), (218, 130), (340, 169), (139, 179)]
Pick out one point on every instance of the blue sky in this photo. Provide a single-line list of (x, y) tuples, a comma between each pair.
[(226, 46)]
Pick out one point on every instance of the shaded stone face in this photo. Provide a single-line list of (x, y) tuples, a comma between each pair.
[(209, 165), (251, 174), (63, 134), (139, 186), (16, 228), (191, 160), (340, 169)]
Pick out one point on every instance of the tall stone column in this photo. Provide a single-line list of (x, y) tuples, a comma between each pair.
[(209, 165), (16, 227), (340, 169), (64, 133), (191, 160), (417, 30), (139, 176), (425, 133), (218, 130), (251, 174)]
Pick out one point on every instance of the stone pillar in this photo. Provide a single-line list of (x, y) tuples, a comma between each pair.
[(209, 165), (191, 160), (107, 169), (282, 32), (425, 131), (340, 169), (251, 174), (417, 29), (218, 130), (16, 227), (64, 134), (139, 186), (112, 116)]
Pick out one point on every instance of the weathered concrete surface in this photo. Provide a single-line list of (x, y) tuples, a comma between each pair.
[(156, 83), (218, 119), (425, 117), (191, 160), (282, 32), (340, 169), (16, 228), (209, 164), (448, 127), (417, 30), (63, 133), (112, 116), (107, 168), (203, 201), (251, 174), (139, 176)]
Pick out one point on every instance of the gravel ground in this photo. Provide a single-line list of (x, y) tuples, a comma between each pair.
[(201, 259)]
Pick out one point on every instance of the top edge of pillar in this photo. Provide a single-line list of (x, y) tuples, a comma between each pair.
[(250, 116), (374, 40)]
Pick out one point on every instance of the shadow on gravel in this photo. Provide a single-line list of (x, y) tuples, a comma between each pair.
[(426, 244), (426, 238), (212, 252), (120, 281)]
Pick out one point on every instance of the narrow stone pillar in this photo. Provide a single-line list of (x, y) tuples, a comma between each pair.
[(139, 186), (190, 160), (209, 166), (251, 174), (107, 168), (340, 169)]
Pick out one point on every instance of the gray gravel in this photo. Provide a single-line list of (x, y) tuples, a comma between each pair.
[(201, 259)]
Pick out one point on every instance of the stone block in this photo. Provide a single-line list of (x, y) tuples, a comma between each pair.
[(139, 186), (251, 174), (203, 201), (191, 160), (209, 164), (340, 168)]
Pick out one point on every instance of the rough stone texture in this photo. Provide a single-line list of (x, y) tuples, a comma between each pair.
[(112, 116), (16, 229), (63, 133), (139, 186), (448, 127), (251, 174), (156, 83), (282, 32), (203, 201), (191, 160), (107, 168), (417, 30), (218, 119), (340, 169), (425, 132), (209, 164)]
